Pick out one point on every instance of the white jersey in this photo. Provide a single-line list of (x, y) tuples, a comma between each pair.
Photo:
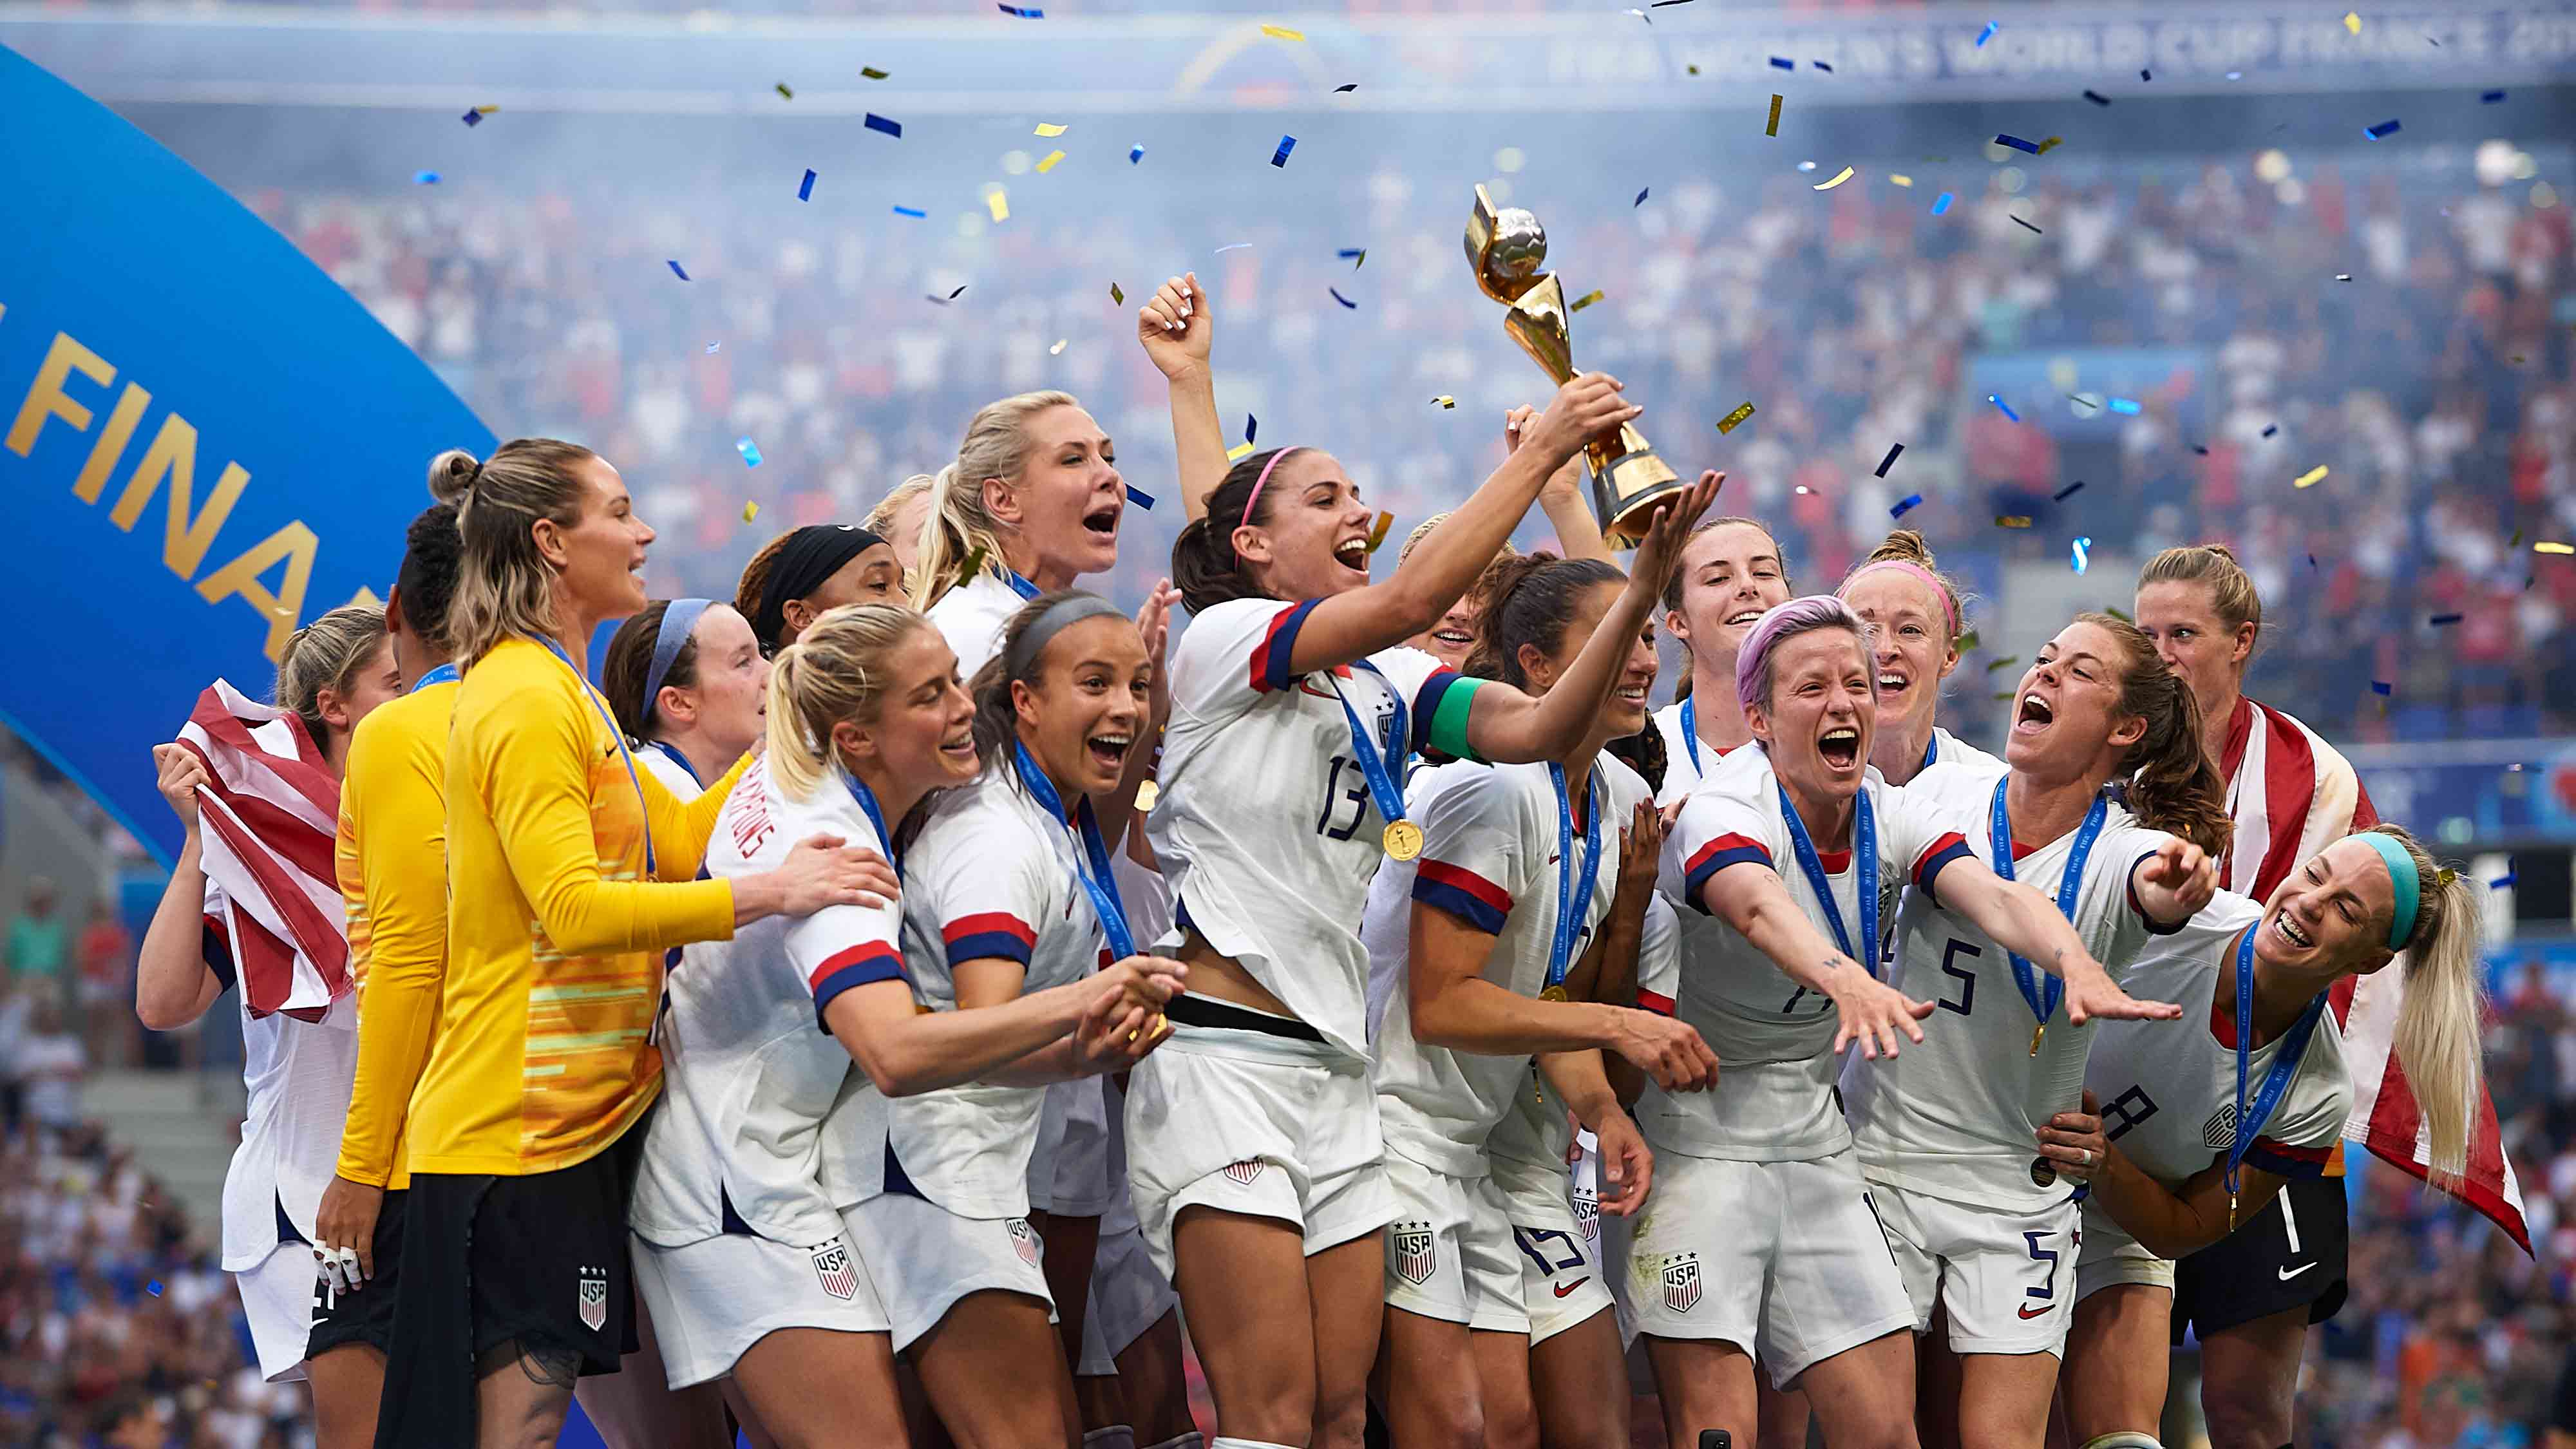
[(1684, 769), (1957, 1116), (666, 764), (297, 1075), (2168, 1088), (754, 1086), (1537, 1130), (1265, 825), (1774, 1099), (1386, 922), (1490, 858), (970, 617)]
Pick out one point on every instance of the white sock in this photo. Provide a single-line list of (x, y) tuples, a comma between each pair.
[(1227, 1441), (1113, 1436), (1191, 1440)]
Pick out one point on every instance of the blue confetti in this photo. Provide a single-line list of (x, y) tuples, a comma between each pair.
[(880, 123), (2081, 552), (915, 212), (153, 1287), (1941, 203), (473, 118), (2069, 491), (1820, 65), (1025, 12), (1353, 255), (1251, 427), (2274, 428), (2383, 129), (2097, 98), (750, 452), (711, 348), (2490, 98), (1140, 498), (1233, 246), (1911, 502), (1985, 35), (1337, 90), (2145, 74), (2500, 882), (1890, 460), (2441, 619), (2124, 405), (2382, 688), (424, 178), (1280, 157), (2004, 407), (1345, 301), (2312, 564), (1641, 198), (805, 191), (675, 270), (1782, 62), (1135, 153), (2018, 144)]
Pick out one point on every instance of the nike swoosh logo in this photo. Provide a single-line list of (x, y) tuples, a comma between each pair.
[(1570, 1287), (2289, 1273), (2043, 1308)]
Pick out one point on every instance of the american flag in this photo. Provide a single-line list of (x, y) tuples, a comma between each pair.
[(2292, 795), (269, 818)]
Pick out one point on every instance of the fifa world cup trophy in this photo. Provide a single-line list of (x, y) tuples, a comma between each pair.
[(1506, 248)]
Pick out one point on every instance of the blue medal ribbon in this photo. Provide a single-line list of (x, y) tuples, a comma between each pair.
[(2041, 990), (1097, 882), (1931, 751), (1387, 789), (868, 806), (443, 674), (676, 758), (1019, 585), (2285, 1062), (1573, 898), (644, 812), (1690, 730), (1864, 856)]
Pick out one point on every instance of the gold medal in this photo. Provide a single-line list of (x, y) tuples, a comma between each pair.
[(1403, 839), (1554, 993), (2036, 1033), (1146, 794)]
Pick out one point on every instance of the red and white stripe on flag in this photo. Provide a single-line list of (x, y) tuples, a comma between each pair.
[(2292, 795), (268, 823)]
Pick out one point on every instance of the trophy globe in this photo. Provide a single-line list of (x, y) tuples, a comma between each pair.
[(1514, 256)]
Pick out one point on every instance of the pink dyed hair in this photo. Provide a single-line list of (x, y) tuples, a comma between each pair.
[(1780, 624)]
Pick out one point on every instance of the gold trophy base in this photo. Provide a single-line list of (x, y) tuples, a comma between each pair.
[(1628, 486)]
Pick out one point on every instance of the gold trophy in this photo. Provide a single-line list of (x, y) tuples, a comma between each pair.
[(1505, 249)]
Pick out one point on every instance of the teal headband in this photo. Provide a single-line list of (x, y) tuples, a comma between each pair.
[(2401, 874)]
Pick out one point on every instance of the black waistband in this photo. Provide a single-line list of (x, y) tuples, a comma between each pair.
[(1189, 1010)]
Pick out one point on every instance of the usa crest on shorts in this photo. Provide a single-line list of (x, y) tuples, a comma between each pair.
[(2219, 1133), (593, 1298), (1245, 1171), (834, 1270), (1024, 1241), (1413, 1252), (1681, 1283)]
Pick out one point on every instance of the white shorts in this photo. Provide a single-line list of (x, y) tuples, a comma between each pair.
[(2108, 1260), (1069, 1168), (1562, 1281), (277, 1299), (1246, 1122), (713, 1299), (924, 1258), (2007, 1278), (1785, 1260), (1449, 1253), (1128, 1296)]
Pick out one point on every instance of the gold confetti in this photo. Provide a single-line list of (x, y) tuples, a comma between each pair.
[(872, 73), (2515, 541), (1059, 347), (1445, 400), (1282, 32), (1839, 178), (2552, 546), (1048, 164), (783, 91), (998, 204), (2012, 520), (1773, 129), (2007, 662), (1238, 452), (485, 110), (2051, 141), (1586, 300), (750, 511), (1694, 70), (1377, 533), (2310, 478), (1735, 419), (2114, 611), (2352, 22), (1904, 181), (1115, 295), (1965, 643), (974, 561), (1050, 128)]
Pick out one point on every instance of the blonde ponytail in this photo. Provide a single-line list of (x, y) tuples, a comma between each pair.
[(327, 654), (2440, 1024), (996, 446), (835, 671)]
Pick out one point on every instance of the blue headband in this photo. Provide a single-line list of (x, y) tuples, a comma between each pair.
[(2401, 875), (669, 638)]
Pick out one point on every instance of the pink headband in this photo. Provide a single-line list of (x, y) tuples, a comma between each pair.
[(1257, 484), (1949, 605)]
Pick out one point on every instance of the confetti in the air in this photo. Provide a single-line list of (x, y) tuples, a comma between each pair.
[(2051, 144), (1025, 12), (2146, 75), (1338, 90), (1048, 163), (2069, 491), (2439, 620), (783, 92), (1890, 460), (1839, 178), (915, 212), (2124, 405), (1140, 498), (2003, 407), (2352, 22), (2114, 611), (473, 117), (2382, 130), (1641, 197), (1232, 247), (1238, 452), (2097, 98), (1356, 256), (2382, 688), (2012, 520), (2269, 431), (944, 301), (424, 178), (750, 452), (2007, 662), (2017, 143), (2489, 98), (1907, 504), (1050, 128), (2026, 226), (1345, 301), (974, 562), (1445, 400), (1735, 419), (711, 348), (2081, 401), (2550, 546), (750, 511), (1115, 295), (2504, 880), (1773, 129), (1820, 65), (1586, 300), (805, 188), (1135, 153), (1377, 530), (2343, 276), (998, 202), (879, 123), (1280, 157), (872, 73), (1940, 203), (1251, 427), (2081, 552), (2310, 478), (1904, 181), (1782, 62), (1985, 35), (675, 270), (1282, 32), (153, 1287), (1058, 349)]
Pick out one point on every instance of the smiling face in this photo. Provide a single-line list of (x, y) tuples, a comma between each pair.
[(1064, 507), (1085, 713), (1914, 646), (599, 559), (1313, 543), (1820, 718), (1624, 713), (924, 730), (1730, 574), (730, 700), (2181, 616), (2331, 917), (2067, 712), (1450, 640), (872, 576)]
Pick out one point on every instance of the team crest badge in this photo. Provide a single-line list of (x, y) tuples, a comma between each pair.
[(1681, 1283), (834, 1270), (2219, 1132), (1587, 1213), (1024, 1241), (1412, 1253), (1245, 1171), (592, 1298)]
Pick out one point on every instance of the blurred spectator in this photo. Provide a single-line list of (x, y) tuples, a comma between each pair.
[(39, 938), (106, 986), (51, 1063)]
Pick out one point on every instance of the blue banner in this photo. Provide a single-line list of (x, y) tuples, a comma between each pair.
[(207, 442)]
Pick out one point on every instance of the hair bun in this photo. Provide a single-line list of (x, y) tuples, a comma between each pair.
[(1902, 545), (451, 473)]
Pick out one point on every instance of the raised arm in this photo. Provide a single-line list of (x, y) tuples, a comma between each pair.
[(1178, 329), (173, 985), (1749, 896), (2027, 924), (1578, 534)]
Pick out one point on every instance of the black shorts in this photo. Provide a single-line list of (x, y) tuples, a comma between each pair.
[(2289, 1255), (538, 1262), (366, 1316)]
